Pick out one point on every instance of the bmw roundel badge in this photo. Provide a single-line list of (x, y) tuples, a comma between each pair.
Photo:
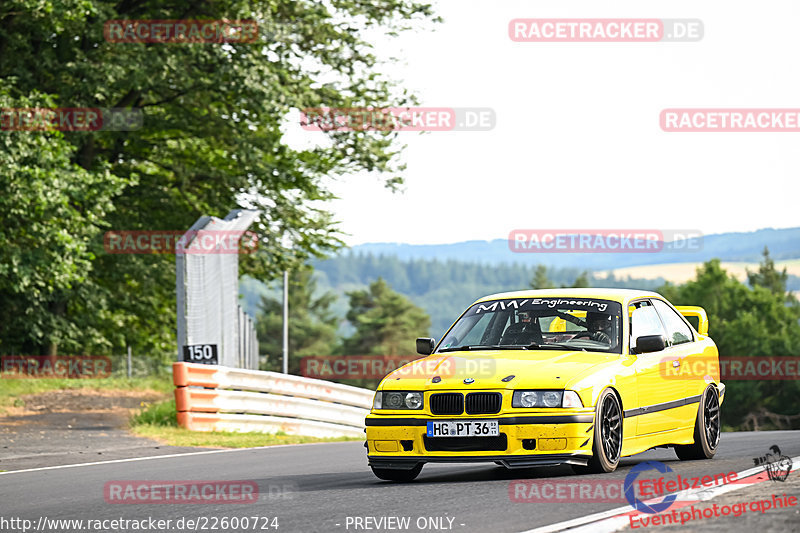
[(469, 380)]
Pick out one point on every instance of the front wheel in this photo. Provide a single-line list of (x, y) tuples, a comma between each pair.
[(395, 474), (706, 429), (607, 445)]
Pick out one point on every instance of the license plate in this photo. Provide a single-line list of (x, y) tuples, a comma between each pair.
[(465, 428)]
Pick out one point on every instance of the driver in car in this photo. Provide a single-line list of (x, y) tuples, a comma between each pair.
[(598, 327), (526, 331)]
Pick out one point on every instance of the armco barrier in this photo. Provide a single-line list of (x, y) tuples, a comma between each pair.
[(266, 402)]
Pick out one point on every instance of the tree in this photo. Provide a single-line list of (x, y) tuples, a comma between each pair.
[(386, 323), (540, 279), (767, 276), (212, 139), (582, 280), (312, 325), (751, 322), (50, 209)]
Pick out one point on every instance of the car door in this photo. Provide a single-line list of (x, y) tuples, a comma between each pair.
[(678, 369), (657, 395)]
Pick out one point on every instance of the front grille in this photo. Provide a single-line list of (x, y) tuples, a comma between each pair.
[(466, 444), (483, 403), (447, 403)]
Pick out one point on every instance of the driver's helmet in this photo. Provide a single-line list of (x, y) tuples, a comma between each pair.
[(525, 316), (598, 321)]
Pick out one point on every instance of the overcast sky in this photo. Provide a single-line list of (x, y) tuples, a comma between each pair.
[(577, 142)]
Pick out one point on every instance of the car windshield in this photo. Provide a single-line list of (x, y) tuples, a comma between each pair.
[(588, 324)]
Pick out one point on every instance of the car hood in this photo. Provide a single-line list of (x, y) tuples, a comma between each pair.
[(487, 370)]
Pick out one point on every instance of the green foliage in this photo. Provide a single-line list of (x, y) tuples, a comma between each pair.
[(540, 279), (212, 140), (768, 277), (50, 208), (157, 414), (582, 280), (445, 288), (386, 322), (312, 326), (752, 322)]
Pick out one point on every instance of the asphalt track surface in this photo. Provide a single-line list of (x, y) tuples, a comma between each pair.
[(317, 487)]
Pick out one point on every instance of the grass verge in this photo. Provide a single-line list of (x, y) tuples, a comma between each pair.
[(12, 389), (175, 436), (158, 421)]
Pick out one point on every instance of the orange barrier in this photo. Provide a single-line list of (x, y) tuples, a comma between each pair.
[(185, 374)]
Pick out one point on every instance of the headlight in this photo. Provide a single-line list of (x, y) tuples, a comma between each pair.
[(527, 399), (552, 399), (397, 400), (414, 400)]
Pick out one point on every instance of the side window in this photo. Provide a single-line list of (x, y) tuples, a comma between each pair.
[(645, 321), (677, 330)]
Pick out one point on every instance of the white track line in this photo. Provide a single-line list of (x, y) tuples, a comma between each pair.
[(187, 454), (614, 519)]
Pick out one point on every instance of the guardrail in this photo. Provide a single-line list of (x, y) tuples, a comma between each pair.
[(218, 398)]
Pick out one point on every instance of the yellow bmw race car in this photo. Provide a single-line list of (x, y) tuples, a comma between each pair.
[(548, 377)]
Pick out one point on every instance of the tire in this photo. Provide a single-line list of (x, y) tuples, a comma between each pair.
[(706, 429), (395, 474), (607, 445)]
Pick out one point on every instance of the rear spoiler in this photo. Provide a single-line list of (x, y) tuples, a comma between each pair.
[(697, 312)]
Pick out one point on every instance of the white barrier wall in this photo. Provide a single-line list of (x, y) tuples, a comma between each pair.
[(218, 398)]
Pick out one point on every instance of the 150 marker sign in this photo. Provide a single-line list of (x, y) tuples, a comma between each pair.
[(200, 353)]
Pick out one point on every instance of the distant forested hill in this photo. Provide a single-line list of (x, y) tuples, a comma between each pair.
[(443, 288), (444, 279), (782, 243)]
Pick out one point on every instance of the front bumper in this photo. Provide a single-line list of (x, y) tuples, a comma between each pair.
[(543, 440)]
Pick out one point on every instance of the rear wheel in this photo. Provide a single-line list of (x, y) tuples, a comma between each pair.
[(607, 445), (706, 429), (395, 474)]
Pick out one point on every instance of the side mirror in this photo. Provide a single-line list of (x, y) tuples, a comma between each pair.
[(650, 343), (425, 345)]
